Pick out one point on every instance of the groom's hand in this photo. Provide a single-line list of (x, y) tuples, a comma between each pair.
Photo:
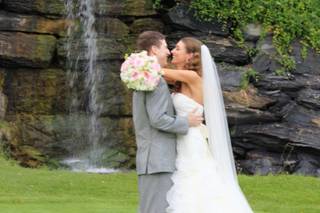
[(194, 119)]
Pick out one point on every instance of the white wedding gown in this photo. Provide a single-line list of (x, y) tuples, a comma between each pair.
[(197, 185)]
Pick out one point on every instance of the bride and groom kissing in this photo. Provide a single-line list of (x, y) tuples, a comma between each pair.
[(182, 168)]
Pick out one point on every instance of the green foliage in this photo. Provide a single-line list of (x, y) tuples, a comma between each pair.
[(248, 76), (287, 20), (157, 4), (280, 72)]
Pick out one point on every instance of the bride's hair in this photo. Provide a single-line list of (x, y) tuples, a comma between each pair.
[(193, 45)]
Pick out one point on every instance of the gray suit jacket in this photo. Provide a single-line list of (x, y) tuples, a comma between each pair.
[(156, 127)]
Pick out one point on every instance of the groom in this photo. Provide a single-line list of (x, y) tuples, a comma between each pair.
[(156, 126)]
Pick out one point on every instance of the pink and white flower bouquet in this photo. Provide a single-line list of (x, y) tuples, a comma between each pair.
[(141, 72)]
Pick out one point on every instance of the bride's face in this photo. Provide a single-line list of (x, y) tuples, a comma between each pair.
[(180, 57)]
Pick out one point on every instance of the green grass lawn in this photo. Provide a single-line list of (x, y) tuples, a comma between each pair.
[(41, 191)]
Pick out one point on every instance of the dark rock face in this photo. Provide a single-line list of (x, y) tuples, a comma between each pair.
[(222, 49), (262, 163), (265, 59), (276, 136), (47, 7), (252, 32), (291, 129), (309, 98), (274, 122), (238, 114), (230, 76), (226, 50), (308, 164), (308, 65), (182, 17)]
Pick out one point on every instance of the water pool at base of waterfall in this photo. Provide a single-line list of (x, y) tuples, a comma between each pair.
[(84, 165)]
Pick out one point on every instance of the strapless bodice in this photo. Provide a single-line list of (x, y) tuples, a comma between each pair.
[(184, 104)]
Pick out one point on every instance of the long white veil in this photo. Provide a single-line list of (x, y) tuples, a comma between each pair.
[(216, 119), (218, 132)]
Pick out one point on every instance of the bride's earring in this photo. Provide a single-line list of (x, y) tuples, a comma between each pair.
[(188, 61)]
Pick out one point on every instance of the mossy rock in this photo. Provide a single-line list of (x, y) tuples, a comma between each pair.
[(26, 50), (125, 7), (139, 8), (119, 131), (129, 43), (12, 139), (58, 136), (49, 7), (32, 24), (112, 158), (3, 97), (111, 27), (32, 153), (2, 78), (36, 91), (32, 139), (3, 105), (108, 48), (112, 93), (4, 130), (38, 139), (145, 24)]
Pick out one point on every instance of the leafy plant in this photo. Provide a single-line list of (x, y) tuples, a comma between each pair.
[(248, 75), (287, 20), (157, 4)]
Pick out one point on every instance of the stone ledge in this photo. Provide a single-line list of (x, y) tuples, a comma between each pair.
[(31, 24), (26, 50)]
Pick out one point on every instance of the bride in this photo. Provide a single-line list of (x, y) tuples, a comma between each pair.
[(205, 180)]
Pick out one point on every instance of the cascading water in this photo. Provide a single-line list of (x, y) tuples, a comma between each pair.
[(82, 67)]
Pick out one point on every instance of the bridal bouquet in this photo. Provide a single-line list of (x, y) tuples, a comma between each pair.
[(141, 72)]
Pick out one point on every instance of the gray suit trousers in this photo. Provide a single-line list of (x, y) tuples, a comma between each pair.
[(153, 190)]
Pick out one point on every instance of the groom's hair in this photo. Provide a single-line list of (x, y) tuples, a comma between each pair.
[(148, 39)]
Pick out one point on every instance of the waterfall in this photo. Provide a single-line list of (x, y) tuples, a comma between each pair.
[(82, 67)]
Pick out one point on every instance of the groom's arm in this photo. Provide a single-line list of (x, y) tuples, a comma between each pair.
[(156, 105)]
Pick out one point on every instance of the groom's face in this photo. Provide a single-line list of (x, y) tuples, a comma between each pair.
[(161, 52)]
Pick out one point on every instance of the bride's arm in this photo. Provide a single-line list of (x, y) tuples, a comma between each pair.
[(169, 81), (187, 76)]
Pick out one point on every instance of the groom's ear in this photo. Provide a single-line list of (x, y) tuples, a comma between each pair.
[(154, 50)]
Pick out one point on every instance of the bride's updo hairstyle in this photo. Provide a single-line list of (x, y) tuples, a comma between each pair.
[(193, 45)]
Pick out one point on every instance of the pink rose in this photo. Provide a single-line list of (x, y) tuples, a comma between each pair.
[(146, 74), (135, 75), (138, 62), (155, 66), (124, 66)]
